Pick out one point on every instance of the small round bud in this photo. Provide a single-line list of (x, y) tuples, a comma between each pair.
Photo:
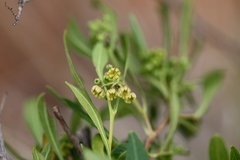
[(111, 94), (109, 66), (98, 92), (130, 98), (114, 73), (123, 91), (97, 81)]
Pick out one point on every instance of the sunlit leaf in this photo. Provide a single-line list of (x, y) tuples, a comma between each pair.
[(47, 152), (97, 144), (37, 155)]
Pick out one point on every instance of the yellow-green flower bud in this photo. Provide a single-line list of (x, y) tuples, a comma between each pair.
[(98, 92), (111, 94), (109, 66), (114, 73), (130, 98), (123, 91)]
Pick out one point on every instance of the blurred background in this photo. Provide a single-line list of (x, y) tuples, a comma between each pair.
[(32, 56)]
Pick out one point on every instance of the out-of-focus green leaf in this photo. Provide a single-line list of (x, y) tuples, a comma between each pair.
[(37, 155), (92, 112), (90, 155), (217, 149), (49, 126), (188, 127), (234, 154), (32, 120), (186, 24), (76, 39), (75, 122), (211, 83), (126, 47), (135, 148), (72, 68), (99, 58), (97, 144), (47, 151), (174, 111), (138, 36), (119, 151), (164, 11)]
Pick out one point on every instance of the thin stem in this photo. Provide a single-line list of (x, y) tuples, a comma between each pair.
[(112, 114), (156, 132), (65, 127)]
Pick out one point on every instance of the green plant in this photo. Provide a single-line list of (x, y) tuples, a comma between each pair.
[(134, 80)]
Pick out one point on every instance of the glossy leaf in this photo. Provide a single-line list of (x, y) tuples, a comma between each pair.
[(92, 112), (49, 126), (138, 35), (135, 148), (234, 154), (37, 155), (211, 83), (72, 68), (217, 149), (32, 120), (99, 58)]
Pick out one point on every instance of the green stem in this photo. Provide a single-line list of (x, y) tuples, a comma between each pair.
[(112, 114)]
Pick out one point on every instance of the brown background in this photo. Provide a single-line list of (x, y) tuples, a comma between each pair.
[(32, 56)]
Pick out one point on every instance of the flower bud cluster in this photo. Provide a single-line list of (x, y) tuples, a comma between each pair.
[(113, 88)]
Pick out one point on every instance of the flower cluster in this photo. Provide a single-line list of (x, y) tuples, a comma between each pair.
[(113, 87)]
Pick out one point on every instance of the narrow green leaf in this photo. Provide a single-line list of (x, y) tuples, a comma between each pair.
[(138, 36), (186, 24), (174, 112), (73, 105), (76, 39), (47, 151), (234, 154), (99, 58), (72, 68), (211, 83), (37, 155), (217, 149), (75, 122), (92, 112), (97, 144), (13, 152), (32, 120), (164, 11), (136, 149), (49, 126), (126, 47)]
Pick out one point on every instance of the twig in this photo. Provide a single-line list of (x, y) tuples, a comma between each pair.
[(65, 127), (20, 8), (3, 153), (155, 133)]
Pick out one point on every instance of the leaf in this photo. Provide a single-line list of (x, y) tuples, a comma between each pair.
[(97, 144), (49, 126), (72, 68), (31, 118), (90, 155), (92, 112), (76, 39), (217, 149), (75, 122), (186, 24), (174, 112), (99, 58), (136, 149), (234, 154), (211, 83), (37, 155), (119, 150), (138, 36), (47, 151), (126, 46)]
